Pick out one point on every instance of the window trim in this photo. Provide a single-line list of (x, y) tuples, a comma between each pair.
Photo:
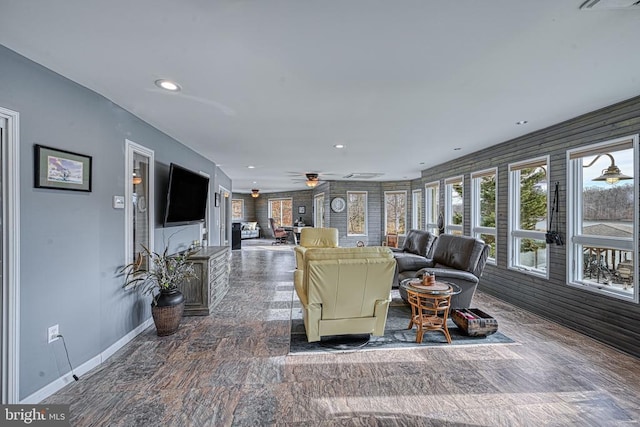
[(404, 192), (280, 199), (417, 217), (448, 208), (366, 213), (241, 210), (476, 228), (574, 218), (428, 202), (517, 234)]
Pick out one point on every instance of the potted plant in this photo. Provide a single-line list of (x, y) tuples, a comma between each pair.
[(159, 277)]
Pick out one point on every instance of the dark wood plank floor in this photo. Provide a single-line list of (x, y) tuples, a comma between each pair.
[(232, 368)]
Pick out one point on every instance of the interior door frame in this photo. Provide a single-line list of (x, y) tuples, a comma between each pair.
[(318, 210), (224, 216), (10, 356), (132, 148)]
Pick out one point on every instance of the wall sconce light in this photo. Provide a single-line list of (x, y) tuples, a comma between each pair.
[(611, 174), (312, 180), (255, 193)]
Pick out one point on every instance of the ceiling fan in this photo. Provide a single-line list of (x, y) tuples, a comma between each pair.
[(311, 180)]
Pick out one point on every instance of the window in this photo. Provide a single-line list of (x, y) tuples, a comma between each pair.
[(281, 210), (356, 213), (416, 212), (602, 218), (483, 208), (432, 206), (395, 212), (528, 207), (237, 209), (453, 205)]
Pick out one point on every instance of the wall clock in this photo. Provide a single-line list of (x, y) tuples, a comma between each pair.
[(338, 204)]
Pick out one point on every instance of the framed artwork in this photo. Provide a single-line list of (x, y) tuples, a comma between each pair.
[(301, 209), (61, 170), (217, 199)]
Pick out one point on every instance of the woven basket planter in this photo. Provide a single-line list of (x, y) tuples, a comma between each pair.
[(168, 313)]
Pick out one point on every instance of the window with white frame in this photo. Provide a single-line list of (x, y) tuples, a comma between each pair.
[(432, 206), (528, 209), (602, 213), (281, 210), (356, 213), (484, 208), (237, 209), (395, 212), (416, 210), (453, 205)]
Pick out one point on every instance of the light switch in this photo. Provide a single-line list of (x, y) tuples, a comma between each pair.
[(118, 202)]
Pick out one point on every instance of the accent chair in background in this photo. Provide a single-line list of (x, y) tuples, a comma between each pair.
[(279, 234)]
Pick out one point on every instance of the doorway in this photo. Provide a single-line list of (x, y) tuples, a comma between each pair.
[(139, 202), (225, 211), (318, 210), (9, 256)]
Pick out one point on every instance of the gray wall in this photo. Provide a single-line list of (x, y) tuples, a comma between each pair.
[(608, 319), (299, 198), (249, 213), (332, 189), (72, 243)]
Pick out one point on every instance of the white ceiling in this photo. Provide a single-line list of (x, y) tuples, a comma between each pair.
[(276, 83)]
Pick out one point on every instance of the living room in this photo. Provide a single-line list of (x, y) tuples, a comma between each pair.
[(79, 242)]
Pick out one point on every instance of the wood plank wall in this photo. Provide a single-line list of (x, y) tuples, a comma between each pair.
[(605, 318)]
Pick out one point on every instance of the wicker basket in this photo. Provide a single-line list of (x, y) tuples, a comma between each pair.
[(167, 319)]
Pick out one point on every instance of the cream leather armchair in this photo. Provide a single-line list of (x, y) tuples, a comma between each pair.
[(315, 238), (345, 290)]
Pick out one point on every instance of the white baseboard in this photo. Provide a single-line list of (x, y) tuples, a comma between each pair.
[(67, 378)]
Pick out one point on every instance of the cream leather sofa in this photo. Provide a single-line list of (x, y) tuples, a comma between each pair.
[(344, 290)]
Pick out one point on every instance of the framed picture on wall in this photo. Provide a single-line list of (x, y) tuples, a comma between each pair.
[(301, 209), (217, 199), (61, 170)]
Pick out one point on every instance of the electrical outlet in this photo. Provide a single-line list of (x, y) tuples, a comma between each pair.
[(52, 333)]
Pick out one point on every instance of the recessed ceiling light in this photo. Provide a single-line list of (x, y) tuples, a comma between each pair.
[(522, 122), (168, 85), (422, 163), (339, 146), (457, 149), (251, 167)]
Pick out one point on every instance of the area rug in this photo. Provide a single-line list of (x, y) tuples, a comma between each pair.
[(396, 335)]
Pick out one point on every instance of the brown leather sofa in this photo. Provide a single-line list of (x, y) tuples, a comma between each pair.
[(459, 260), (413, 255)]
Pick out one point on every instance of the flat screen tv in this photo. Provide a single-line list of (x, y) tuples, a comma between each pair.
[(186, 197)]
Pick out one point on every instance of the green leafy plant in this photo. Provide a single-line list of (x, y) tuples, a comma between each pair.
[(159, 272)]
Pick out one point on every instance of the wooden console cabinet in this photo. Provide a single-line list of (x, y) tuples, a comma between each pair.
[(203, 293)]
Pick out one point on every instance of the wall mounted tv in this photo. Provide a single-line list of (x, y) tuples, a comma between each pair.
[(186, 197)]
